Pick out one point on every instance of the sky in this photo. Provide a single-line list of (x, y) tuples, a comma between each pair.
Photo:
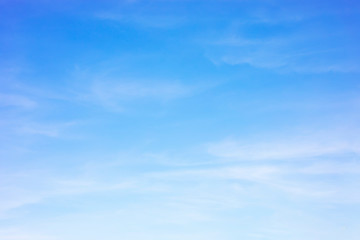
[(179, 120)]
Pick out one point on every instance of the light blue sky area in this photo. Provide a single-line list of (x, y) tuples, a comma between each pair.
[(179, 120)]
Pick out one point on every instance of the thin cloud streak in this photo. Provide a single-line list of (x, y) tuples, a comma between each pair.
[(15, 100), (115, 95), (151, 21), (290, 147)]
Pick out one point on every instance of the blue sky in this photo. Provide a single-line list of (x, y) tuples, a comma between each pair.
[(174, 120)]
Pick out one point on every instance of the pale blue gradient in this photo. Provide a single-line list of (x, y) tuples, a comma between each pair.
[(179, 120)]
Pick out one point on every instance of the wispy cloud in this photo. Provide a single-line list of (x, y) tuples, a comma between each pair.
[(16, 100), (289, 147), (23, 234), (45, 187), (117, 90), (157, 21), (258, 179), (282, 54), (45, 129), (116, 94), (276, 44)]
